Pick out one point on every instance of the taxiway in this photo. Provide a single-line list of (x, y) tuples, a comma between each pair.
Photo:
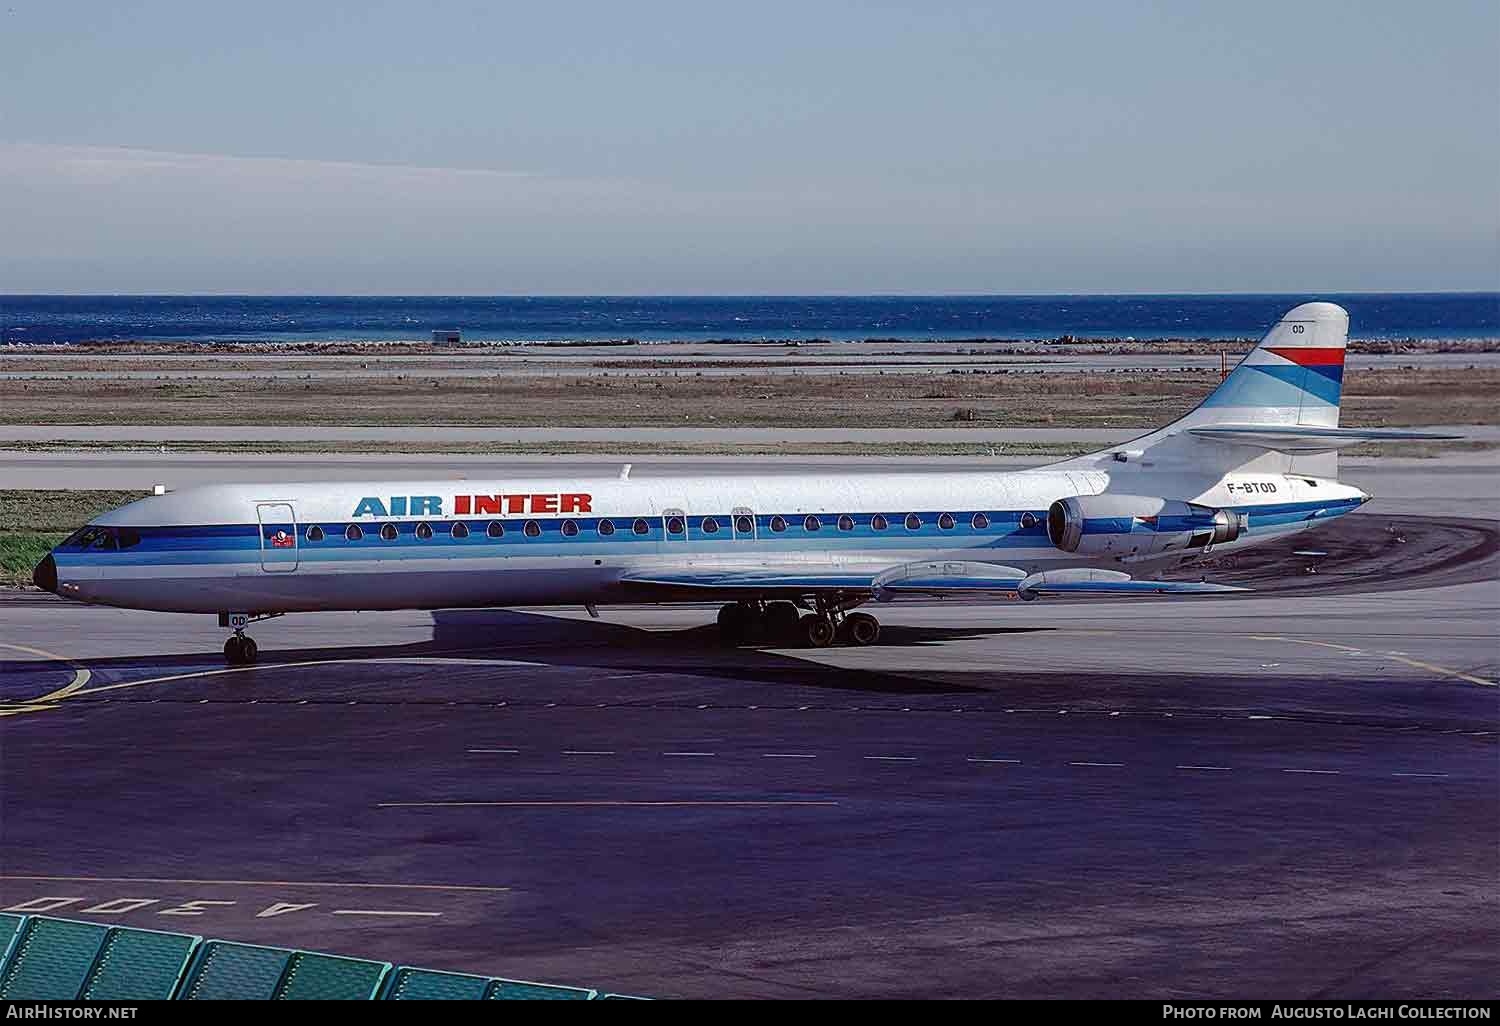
[(1295, 791)]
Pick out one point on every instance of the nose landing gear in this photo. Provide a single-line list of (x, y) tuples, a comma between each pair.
[(240, 649)]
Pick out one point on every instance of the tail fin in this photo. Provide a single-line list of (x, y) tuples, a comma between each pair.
[(1294, 377), (1276, 412)]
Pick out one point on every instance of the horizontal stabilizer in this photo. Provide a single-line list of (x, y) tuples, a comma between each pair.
[(1302, 440)]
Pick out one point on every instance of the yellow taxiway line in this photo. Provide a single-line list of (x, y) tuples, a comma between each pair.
[(1419, 664)]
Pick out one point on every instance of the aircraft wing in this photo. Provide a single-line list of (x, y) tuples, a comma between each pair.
[(1301, 440), (931, 579), (798, 579)]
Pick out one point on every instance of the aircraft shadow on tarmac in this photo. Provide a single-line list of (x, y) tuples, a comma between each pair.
[(569, 644), (600, 651)]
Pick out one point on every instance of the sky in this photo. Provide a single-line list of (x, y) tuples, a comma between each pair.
[(768, 148)]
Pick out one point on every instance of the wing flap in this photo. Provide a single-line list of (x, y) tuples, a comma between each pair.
[(1089, 581), (936, 579), (799, 579)]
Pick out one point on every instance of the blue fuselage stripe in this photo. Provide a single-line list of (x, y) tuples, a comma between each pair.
[(240, 543)]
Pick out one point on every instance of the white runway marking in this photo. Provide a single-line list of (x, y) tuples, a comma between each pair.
[(1419, 774), (494, 751), (1206, 768), (701, 755), (1104, 765), (256, 883), (891, 758), (605, 804), (786, 755), (1012, 761), (587, 753), (1327, 773), (380, 912), (293, 666)]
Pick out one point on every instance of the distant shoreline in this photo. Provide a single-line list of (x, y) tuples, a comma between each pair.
[(1056, 346), (766, 322)]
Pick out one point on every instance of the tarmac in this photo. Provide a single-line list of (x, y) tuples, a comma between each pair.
[(1293, 792)]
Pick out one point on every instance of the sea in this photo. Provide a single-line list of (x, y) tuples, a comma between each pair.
[(292, 319)]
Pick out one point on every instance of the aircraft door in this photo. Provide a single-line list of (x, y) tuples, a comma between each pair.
[(674, 525), (278, 537), (744, 524)]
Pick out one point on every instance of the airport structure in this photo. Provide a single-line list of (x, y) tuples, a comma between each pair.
[(48, 959)]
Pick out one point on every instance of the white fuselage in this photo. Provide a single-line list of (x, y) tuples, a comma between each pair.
[(447, 543)]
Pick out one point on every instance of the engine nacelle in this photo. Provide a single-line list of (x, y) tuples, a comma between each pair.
[(1137, 526)]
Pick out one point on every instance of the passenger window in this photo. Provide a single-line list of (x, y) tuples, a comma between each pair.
[(640, 527), (314, 533), (946, 521), (532, 529), (778, 524), (570, 528), (1028, 519), (424, 530), (846, 523), (675, 525), (878, 522), (353, 532), (606, 527), (388, 532), (744, 525), (980, 521), (459, 529), (495, 530), (811, 523), (913, 522), (709, 526)]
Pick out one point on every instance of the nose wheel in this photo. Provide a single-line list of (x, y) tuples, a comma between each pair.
[(240, 650)]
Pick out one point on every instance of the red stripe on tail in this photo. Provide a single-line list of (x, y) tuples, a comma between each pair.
[(1332, 356)]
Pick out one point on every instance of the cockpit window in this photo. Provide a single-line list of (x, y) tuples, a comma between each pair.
[(103, 539)]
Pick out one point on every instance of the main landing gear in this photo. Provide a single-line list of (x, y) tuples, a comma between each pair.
[(771, 622)]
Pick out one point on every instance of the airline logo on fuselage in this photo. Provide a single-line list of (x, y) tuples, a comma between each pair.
[(474, 505)]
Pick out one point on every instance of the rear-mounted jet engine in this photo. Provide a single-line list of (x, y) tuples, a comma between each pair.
[(1138, 526)]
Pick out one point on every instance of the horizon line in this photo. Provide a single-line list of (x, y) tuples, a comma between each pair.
[(738, 295)]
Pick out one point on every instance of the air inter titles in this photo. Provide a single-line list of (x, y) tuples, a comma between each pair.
[(474, 505)]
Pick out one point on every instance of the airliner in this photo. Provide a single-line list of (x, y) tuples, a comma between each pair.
[(792, 557)]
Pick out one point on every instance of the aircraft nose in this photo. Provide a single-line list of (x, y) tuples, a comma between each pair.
[(45, 574)]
